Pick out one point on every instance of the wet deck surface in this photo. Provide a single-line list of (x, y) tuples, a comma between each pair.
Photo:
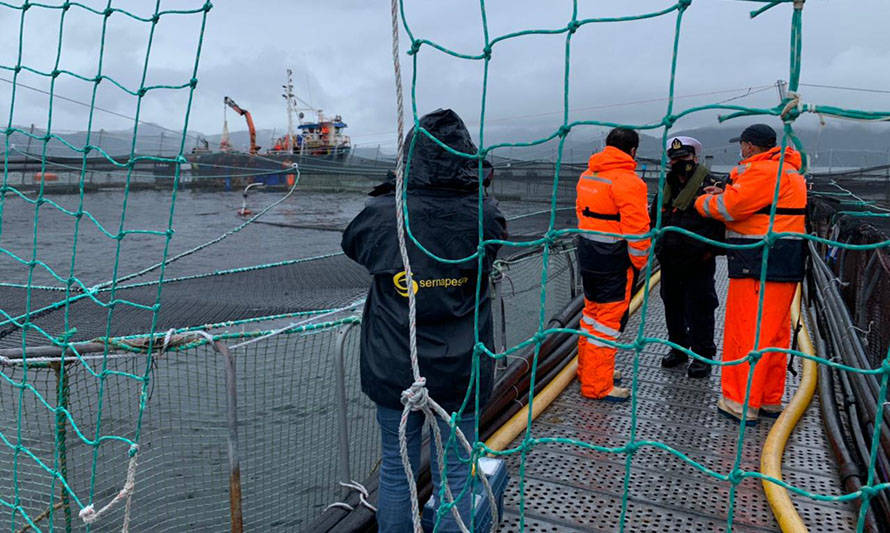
[(569, 488)]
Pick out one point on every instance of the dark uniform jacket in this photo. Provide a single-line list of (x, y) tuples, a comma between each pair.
[(443, 216), (674, 248)]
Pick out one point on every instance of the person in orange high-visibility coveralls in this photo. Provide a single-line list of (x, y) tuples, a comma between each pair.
[(611, 199), (745, 206)]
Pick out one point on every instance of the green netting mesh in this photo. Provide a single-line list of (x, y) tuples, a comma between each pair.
[(64, 420), (87, 429), (788, 111)]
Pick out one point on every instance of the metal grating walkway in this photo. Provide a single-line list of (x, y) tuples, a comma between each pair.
[(573, 489)]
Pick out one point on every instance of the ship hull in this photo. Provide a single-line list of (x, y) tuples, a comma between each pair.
[(235, 169)]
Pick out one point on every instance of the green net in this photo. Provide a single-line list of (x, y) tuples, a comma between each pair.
[(73, 419), (788, 111), (86, 429)]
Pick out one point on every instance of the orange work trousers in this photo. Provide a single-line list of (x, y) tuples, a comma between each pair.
[(603, 320), (768, 382)]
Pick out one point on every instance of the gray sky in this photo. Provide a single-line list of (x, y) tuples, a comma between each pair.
[(340, 53)]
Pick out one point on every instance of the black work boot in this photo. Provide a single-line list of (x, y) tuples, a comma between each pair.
[(674, 358), (699, 369)]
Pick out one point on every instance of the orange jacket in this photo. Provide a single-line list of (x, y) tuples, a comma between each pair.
[(745, 209), (612, 198)]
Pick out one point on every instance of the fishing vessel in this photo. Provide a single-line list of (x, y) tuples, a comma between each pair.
[(319, 142)]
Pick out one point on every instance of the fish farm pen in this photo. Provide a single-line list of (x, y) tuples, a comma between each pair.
[(169, 365)]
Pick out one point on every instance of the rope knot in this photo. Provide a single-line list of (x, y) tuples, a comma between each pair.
[(416, 397), (683, 4), (867, 492), (736, 476), (790, 111), (563, 130), (88, 514), (573, 26), (415, 46), (486, 52), (754, 356)]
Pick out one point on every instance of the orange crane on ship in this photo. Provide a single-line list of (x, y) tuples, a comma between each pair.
[(250, 127)]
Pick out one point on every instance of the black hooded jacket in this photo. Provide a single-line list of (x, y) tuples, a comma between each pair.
[(442, 215)]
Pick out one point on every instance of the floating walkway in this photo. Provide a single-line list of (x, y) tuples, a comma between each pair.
[(568, 488)]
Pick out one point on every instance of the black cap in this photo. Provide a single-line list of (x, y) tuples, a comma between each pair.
[(757, 134)]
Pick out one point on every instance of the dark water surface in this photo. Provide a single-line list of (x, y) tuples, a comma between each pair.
[(287, 404)]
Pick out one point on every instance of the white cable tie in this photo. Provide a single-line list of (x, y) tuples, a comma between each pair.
[(363, 494), (366, 503), (202, 333), (340, 505), (167, 338)]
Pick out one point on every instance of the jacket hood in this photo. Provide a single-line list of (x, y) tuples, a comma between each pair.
[(433, 167), (611, 158), (792, 156)]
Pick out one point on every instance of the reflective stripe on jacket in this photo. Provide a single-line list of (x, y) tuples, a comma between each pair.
[(745, 208), (612, 199)]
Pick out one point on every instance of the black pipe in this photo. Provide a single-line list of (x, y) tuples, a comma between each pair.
[(858, 421), (849, 470), (510, 392), (865, 385), (514, 398), (522, 400)]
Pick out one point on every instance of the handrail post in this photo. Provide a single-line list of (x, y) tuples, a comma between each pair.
[(232, 421), (340, 371)]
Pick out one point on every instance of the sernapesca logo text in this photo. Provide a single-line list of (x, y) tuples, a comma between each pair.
[(401, 283)]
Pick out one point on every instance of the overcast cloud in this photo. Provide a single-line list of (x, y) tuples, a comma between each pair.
[(340, 54)]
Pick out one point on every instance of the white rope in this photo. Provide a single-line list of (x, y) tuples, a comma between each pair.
[(416, 397), (89, 514), (293, 325)]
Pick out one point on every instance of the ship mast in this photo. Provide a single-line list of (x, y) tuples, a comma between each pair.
[(289, 98)]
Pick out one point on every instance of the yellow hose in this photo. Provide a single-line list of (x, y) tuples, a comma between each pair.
[(771, 456), (517, 424)]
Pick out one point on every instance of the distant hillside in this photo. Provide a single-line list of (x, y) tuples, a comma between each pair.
[(151, 140), (830, 146), (838, 146)]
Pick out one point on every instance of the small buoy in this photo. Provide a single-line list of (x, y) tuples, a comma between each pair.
[(243, 212), (45, 176)]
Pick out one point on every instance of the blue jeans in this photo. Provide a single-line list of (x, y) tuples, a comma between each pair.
[(394, 497)]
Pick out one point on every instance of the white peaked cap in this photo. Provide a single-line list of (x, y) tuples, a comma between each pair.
[(685, 141)]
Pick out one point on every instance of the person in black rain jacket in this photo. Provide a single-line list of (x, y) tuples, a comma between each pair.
[(443, 211), (687, 264)]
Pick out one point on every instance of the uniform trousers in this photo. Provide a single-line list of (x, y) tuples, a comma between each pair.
[(687, 291), (606, 299), (768, 381)]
